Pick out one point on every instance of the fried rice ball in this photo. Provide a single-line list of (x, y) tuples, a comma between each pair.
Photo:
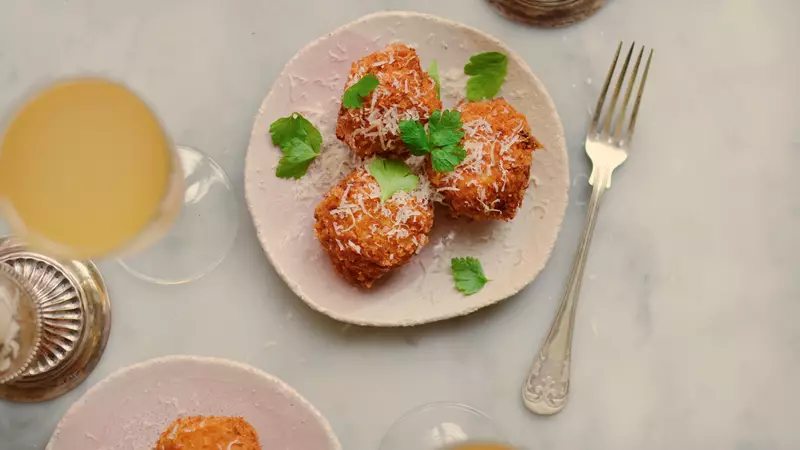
[(405, 92), (491, 182), (366, 239), (209, 433)]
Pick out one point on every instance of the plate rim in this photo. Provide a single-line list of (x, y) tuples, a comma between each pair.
[(248, 181), (119, 373)]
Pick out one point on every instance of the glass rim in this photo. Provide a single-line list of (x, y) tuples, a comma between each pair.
[(501, 439), (444, 404)]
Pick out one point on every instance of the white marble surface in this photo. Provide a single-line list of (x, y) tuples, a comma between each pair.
[(687, 333)]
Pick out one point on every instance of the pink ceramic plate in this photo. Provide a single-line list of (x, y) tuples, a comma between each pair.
[(283, 210), (130, 409)]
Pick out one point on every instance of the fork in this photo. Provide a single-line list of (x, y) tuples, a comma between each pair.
[(547, 385)]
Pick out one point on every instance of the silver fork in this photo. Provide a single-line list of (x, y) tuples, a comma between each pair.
[(547, 385)]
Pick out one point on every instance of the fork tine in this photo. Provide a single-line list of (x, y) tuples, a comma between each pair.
[(639, 96), (602, 99), (617, 88), (621, 115)]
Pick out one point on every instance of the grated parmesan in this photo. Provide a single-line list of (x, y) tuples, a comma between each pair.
[(334, 162), (399, 96), (487, 150)]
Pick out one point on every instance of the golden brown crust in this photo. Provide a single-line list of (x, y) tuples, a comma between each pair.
[(209, 433), (366, 239), (490, 183), (405, 92)]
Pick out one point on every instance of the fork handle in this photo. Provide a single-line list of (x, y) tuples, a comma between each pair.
[(546, 388)]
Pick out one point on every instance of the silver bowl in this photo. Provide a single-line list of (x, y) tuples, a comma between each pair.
[(65, 321)]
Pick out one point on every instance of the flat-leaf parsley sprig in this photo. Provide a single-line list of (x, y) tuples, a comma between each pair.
[(468, 275), (392, 175), (487, 72), (300, 142), (433, 71), (355, 94), (441, 139)]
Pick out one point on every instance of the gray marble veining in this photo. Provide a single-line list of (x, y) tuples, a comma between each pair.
[(686, 333)]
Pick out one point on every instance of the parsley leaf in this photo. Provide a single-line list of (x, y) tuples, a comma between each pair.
[(354, 95), (300, 143), (441, 140), (297, 156), (392, 176), (285, 129), (445, 128), (446, 159), (415, 137), (433, 71), (487, 72), (468, 275)]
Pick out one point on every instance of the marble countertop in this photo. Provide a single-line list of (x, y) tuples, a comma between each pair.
[(686, 335)]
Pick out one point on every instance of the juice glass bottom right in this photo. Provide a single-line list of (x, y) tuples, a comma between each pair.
[(445, 425)]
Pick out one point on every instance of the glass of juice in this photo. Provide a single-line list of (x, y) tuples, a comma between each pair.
[(87, 170), (445, 426)]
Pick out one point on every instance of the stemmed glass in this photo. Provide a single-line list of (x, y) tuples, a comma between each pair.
[(87, 171), (203, 232), (445, 425)]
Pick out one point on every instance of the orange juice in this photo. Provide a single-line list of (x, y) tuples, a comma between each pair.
[(85, 167)]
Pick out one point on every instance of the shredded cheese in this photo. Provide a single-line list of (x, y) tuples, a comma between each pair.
[(399, 96), (354, 246), (334, 162), (488, 150)]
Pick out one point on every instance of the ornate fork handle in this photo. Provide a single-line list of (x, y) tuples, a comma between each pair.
[(546, 388)]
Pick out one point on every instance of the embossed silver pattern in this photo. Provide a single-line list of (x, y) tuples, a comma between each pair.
[(547, 386), (61, 310), (75, 325), (29, 338)]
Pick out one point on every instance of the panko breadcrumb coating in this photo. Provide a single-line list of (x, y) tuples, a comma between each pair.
[(491, 182), (209, 433), (405, 92), (366, 239)]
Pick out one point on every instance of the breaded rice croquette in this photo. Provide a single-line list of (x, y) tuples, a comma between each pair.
[(405, 92), (209, 433), (491, 182), (366, 239)]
